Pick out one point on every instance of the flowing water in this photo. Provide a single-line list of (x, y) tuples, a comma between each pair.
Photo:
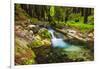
[(60, 43)]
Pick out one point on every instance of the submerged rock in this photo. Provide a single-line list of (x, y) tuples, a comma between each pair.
[(78, 54)]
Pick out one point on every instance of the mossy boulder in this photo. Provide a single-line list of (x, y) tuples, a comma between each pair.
[(23, 54), (39, 41), (36, 43), (46, 42), (44, 33)]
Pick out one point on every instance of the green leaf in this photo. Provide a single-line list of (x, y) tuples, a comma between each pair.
[(52, 11)]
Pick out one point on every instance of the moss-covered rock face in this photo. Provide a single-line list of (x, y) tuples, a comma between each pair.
[(23, 54), (36, 43), (46, 42), (39, 41), (44, 33)]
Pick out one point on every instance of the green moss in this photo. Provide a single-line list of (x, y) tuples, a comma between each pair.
[(36, 43), (58, 24), (34, 20), (44, 33), (28, 61), (75, 17)]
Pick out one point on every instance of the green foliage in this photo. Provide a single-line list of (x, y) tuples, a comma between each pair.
[(81, 26), (34, 20), (74, 17), (52, 11), (60, 24), (60, 14), (91, 20)]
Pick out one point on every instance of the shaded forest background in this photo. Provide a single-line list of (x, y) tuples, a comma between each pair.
[(59, 16), (57, 13)]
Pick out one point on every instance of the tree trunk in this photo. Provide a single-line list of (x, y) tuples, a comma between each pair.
[(85, 15), (82, 12)]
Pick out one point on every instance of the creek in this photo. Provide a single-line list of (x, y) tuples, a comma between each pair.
[(60, 43)]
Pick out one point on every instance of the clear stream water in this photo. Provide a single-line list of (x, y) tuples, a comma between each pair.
[(60, 43)]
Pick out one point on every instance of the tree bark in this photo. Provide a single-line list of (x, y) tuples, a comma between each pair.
[(85, 15)]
